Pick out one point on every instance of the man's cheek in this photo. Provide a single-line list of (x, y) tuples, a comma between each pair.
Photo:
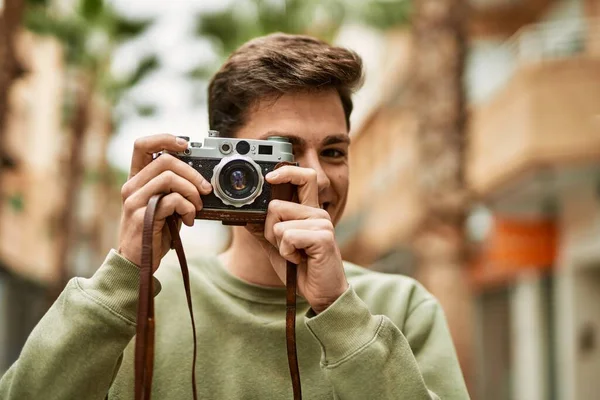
[(339, 209)]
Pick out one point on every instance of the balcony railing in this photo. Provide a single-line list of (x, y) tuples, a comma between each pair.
[(554, 40)]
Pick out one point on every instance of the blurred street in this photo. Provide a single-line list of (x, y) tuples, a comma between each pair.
[(475, 157)]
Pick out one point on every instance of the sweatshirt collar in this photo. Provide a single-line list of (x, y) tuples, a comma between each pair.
[(245, 290)]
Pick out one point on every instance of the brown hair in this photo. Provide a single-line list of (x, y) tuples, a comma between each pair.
[(273, 65)]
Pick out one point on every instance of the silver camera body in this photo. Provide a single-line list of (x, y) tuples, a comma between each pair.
[(236, 170)]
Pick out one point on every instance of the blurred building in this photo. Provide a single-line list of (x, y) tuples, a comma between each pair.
[(533, 166), (534, 160), (33, 193)]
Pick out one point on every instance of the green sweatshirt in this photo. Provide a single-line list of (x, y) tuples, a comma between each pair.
[(384, 338)]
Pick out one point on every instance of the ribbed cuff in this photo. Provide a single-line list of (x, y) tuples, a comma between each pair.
[(116, 285), (344, 328)]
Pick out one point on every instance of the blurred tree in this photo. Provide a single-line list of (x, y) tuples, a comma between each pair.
[(10, 70), (437, 99), (246, 19), (386, 14), (89, 34), (243, 20)]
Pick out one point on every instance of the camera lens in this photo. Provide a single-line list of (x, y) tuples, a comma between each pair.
[(243, 147), (239, 179)]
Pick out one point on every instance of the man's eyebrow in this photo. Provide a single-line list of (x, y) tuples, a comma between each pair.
[(336, 138), (297, 140)]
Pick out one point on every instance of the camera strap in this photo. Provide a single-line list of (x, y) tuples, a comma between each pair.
[(291, 283), (144, 342), (145, 330)]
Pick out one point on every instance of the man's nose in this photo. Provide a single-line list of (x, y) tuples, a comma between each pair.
[(311, 160)]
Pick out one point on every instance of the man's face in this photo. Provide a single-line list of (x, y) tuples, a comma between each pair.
[(315, 124)]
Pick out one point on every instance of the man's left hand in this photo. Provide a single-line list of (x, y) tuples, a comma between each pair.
[(304, 234)]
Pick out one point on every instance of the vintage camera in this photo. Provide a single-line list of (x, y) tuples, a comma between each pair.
[(236, 169)]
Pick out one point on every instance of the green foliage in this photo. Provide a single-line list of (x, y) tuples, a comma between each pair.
[(146, 110), (386, 14), (104, 176), (89, 36), (68, 108), (246, 19), (71, 32), (35, 3), (91, 176), (243, 20), (91, 19), (115, 89), (90, 9), (125, 29), (16, 202), (119, 176), (201, 72), (145, 67)]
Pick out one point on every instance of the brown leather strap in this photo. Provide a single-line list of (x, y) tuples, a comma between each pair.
[(290, 327), (178, 246), (144, 343), (144, 346)]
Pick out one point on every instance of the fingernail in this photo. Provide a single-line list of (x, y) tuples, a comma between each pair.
[(206, 186), (272, 175), (181, 141)]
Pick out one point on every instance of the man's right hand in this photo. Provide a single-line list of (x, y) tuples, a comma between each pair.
[(166, 174)]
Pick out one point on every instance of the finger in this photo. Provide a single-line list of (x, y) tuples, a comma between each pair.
[(296, 240), (286, 210), (145, 147), (166, 162), (280, 210), (304, 178), (166, 182), (307, 224), (176, 203)]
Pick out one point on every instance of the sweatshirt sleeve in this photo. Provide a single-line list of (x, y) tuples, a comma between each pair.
[(366, 356), (75, 350)]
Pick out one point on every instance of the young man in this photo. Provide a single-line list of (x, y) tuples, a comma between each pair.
[(361, 335)]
